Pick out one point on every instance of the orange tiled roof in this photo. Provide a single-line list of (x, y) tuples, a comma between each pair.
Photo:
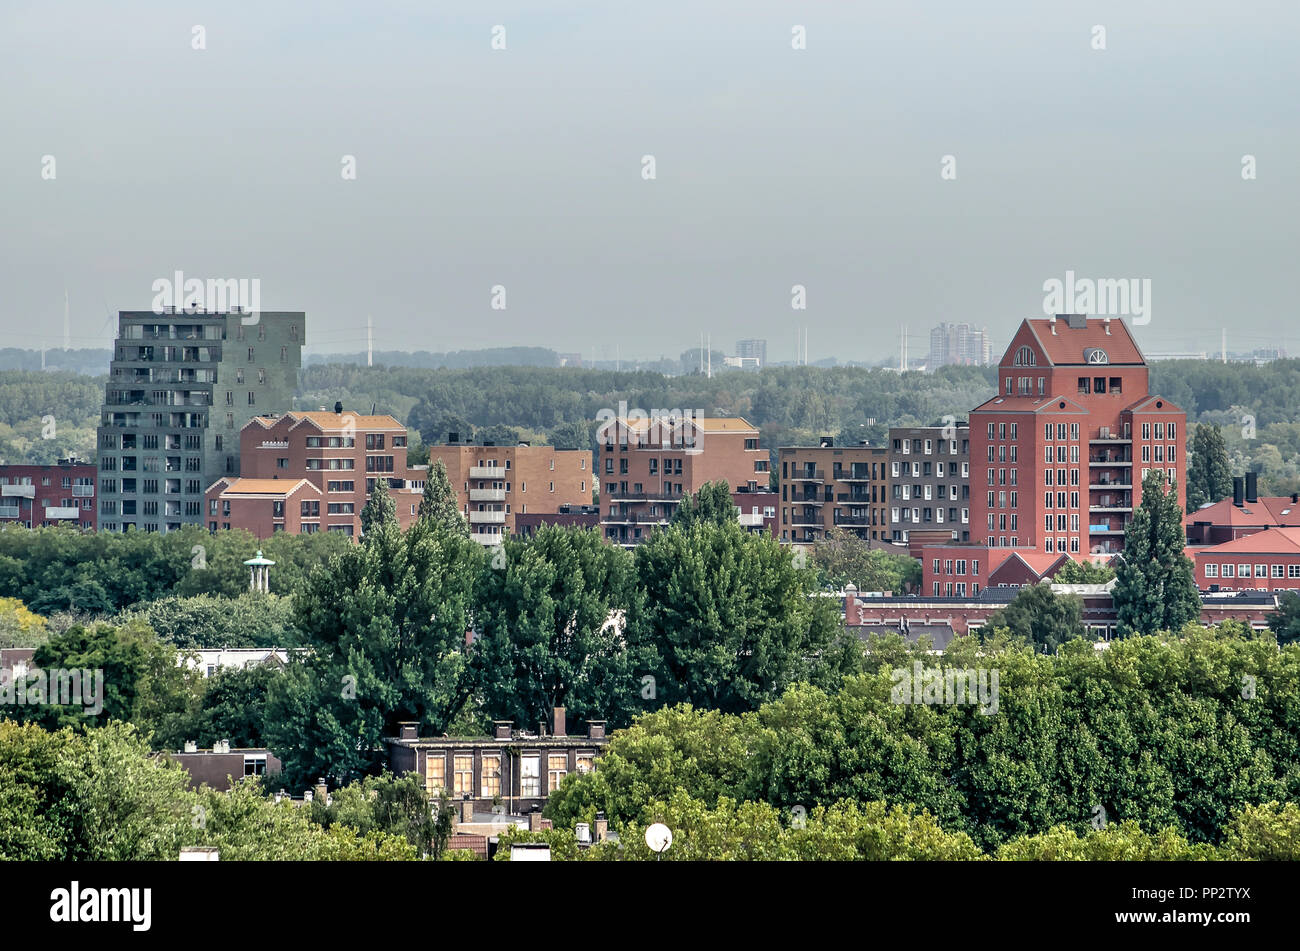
[(264, 486)]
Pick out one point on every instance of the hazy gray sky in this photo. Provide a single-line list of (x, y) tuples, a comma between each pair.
[(522, 167)]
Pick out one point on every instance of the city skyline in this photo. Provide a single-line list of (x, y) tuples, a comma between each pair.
[(474, 175)]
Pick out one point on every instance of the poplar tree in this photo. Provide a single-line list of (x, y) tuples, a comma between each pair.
[(1155, 588)]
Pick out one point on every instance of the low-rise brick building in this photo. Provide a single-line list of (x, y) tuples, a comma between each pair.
[(59, 494), (515, 770)]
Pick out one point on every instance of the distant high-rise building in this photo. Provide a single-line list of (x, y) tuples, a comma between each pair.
[(959, 344), (752, 349), (180, 388)]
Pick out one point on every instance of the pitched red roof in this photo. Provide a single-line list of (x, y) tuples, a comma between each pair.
[(1039, 562), (1270, 511), (1271, 541), (1066, 347), (1028, 404)]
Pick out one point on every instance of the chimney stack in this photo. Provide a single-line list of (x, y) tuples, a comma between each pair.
[(322, 791), (338, 407), (466, 809), (558, 728), (1052, 321), (852, 606), (1252, 487), (1238, 491), (602, 827), (408, 730), (535, 820), (502, 728)]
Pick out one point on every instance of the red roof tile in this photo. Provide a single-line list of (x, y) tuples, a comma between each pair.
[(1066, 347), (1271, 541)]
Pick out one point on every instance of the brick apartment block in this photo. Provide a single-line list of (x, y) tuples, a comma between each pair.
[(647, 467), (1058, 455), (61, 494), (310, 472), (497, 485), (829, 486)]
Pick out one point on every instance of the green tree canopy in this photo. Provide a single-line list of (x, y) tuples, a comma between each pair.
[(713, 503), (1040, 617), (438, 505), (1155, 588)]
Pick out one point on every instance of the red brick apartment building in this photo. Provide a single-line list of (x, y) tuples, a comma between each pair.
[(312, 472), (498, 485), (829, 486), (61, 494), (1058, 455), (648, 465)]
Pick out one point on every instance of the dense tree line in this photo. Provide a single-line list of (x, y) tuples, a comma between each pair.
[(1167, 732), (100, 795), (58, 569)]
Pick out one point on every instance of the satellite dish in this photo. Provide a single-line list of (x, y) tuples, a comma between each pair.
[(658, 838)]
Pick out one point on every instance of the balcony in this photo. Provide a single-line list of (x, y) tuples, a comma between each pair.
[(18, 491), (1128, 484), (856, 498), (808, 500), (617, 495), (634, 518), (487, 518), (806, 520), (484, 538), (83, 491), (852, 475), (750, 519), (808, 475), (59, 511), (853, 521), (488, 472), (487, 495), (1108, 461)]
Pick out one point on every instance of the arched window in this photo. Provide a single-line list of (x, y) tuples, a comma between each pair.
[(1025, 357)]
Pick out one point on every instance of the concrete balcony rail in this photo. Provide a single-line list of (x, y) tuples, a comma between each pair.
[(59, 511), (808, 475), (488, 472), (750, 519), (487, 495), (83, 491), (18, 491), (487, 518), (485, 538)]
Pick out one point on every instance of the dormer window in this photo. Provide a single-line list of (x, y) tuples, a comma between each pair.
[(1025, 357)]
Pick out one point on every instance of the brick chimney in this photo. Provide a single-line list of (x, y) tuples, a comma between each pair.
[(602, 827), (595, 729), (501, 729), (466, 806), (535, 820), (408, 730), (558, 728), (852, 606)]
